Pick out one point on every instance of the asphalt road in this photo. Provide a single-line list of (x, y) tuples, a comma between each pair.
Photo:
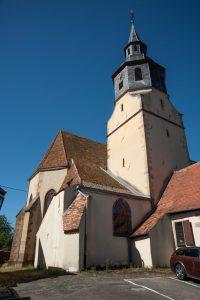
[(110, 286)]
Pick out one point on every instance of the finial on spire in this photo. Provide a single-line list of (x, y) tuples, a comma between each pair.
[(133, 35), (132, 16)]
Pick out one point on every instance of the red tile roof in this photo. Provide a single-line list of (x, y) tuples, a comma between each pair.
[(73, 215), (84, 159), (181, 194)]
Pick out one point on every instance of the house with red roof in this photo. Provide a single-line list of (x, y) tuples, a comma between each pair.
[(133, 200)]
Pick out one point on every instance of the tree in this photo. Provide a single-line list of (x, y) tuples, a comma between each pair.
[(6, 233)]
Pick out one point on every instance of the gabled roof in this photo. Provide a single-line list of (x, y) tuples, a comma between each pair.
[(73, 215), (181, 194), (67, 146), (84, 159), (55, 156)]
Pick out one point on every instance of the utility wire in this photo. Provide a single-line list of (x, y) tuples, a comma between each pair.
[(11, 188)]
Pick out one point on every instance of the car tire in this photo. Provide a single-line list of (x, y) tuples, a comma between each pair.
[(180, 272)]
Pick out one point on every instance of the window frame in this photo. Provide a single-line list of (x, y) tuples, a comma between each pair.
[(179, 244), (138, 74), (50, 192), (121, 85), (122, 225)]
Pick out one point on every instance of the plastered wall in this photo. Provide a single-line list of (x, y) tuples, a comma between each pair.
[(102, 246), (54, 248), (42, 182), (126, 141), (165, 139), (162, 242), (141, 252), (146, 141)]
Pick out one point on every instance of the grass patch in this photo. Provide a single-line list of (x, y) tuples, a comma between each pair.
[(127, 270)]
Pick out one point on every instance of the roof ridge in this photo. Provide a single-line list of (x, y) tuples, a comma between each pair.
[(63, 145), (49, 149), (187, 168), (82, 137)]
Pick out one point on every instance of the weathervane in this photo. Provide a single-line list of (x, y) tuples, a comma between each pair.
[(132, 16)]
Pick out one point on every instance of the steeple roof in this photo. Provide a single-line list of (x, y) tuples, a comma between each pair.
[(133, 35)]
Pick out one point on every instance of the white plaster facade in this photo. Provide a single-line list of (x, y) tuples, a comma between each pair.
[(44, 181), (139, 127), (54, 248)]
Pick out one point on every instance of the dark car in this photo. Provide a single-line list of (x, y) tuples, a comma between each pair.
[(185, 262)]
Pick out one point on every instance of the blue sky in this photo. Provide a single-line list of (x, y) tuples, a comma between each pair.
[(56, 62)]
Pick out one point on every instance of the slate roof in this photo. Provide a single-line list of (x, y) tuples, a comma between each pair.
[(181, 194), (73, 215)]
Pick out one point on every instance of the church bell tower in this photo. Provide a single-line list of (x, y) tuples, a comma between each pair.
[(145, 135)]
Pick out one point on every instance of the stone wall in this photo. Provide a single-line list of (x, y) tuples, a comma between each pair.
[(14, 255)]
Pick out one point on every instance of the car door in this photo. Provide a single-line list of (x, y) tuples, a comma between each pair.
[(192, 261), (197, 265), (188, 262)]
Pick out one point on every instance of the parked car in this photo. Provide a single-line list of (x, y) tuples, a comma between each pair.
[(185, 262)]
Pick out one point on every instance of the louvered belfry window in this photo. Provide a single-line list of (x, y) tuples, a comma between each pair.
[(138, 74), (121, 218), (184, 234)]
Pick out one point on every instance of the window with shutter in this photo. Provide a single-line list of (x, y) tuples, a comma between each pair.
[(188, 233), (184, 234), (179, 234)]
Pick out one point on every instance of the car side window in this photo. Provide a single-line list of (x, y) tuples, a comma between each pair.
[(180, 252), (192, 253)]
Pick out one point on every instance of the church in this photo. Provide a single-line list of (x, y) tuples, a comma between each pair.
[(132, 201)]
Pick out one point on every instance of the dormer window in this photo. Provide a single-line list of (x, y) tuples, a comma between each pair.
[(138, 74), (121, 85)]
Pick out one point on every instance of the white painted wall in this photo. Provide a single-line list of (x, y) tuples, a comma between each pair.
[(142, 253), (128, 143), (59, 249), (165, 154), (42, 182), (102, 246), (141, 140)]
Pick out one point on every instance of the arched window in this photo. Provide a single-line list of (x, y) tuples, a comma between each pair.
[(48, 198), (135, 48), (138, 74), (121, 218)]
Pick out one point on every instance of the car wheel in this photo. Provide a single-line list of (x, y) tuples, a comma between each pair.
[(180, 272)]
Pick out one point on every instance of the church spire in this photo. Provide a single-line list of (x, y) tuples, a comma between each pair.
[(138, 70), (133, 35)]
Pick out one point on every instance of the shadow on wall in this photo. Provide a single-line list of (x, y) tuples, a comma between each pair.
[(136, 257), (41, 258)]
